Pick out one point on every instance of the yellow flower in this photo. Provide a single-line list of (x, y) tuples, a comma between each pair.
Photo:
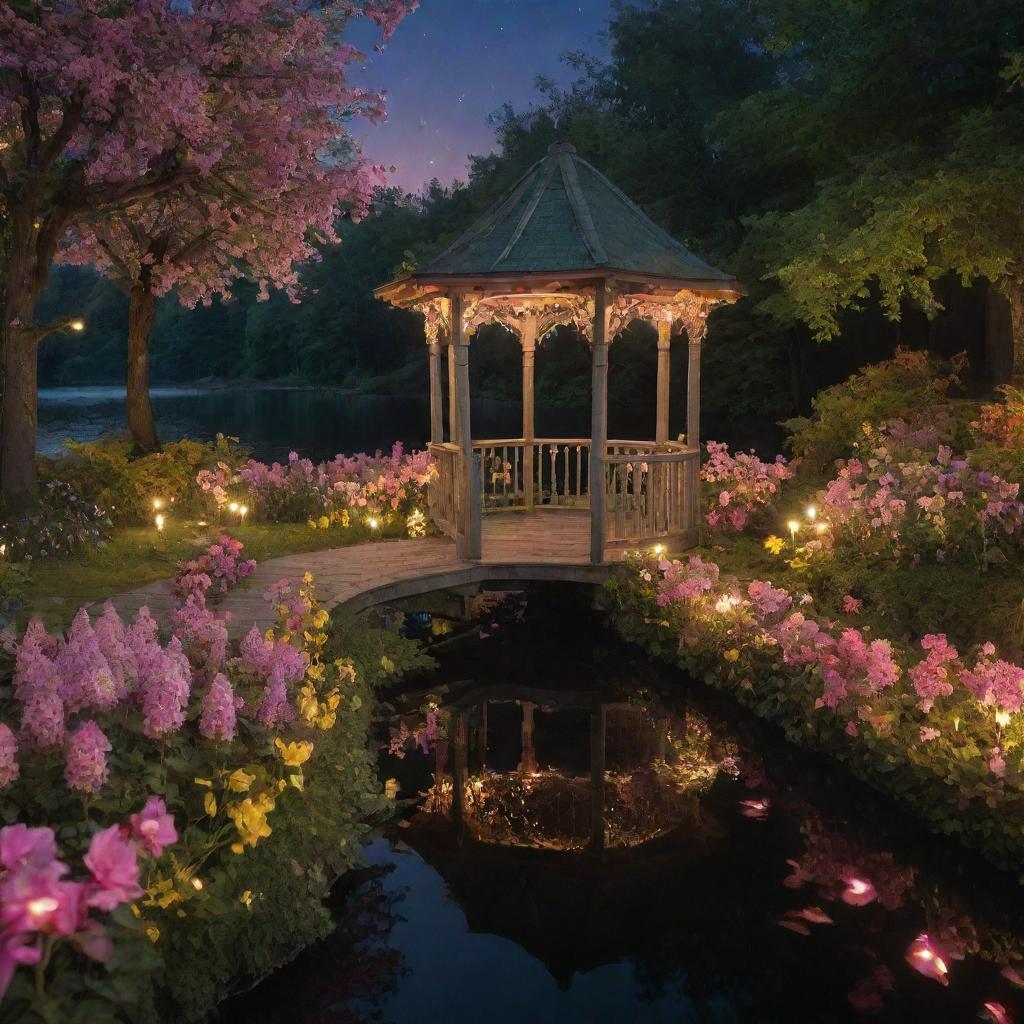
[(162, 895), (210, 804), (732, 655), (152, 933), (296, 780), (774, 544), (239, 781), (321, 619), (311, 523), (246, 897), (387, 664), (296, 753), (250, 818), (307, 577), (391, 788), (203, 782), (324, 522)]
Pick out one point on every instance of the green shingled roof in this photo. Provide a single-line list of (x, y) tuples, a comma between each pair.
[(563, 215)]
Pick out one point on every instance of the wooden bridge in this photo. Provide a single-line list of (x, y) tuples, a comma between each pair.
[(546, 545)]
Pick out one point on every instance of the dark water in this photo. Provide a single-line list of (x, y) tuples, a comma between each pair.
[(321, 423), (740, 880)]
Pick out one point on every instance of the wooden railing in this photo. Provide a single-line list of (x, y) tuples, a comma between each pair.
[(650, 495), (443, 493)]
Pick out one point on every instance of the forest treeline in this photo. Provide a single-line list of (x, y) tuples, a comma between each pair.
[(859, 167)]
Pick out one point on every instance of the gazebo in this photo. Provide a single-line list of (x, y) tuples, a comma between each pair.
[(564, 246)]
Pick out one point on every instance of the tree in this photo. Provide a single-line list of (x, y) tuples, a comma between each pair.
[(910, 119), (107, 108)]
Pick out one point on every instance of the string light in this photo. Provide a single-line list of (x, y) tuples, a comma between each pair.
[(159, 520)]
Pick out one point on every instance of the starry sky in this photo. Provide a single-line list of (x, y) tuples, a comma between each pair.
[(452, 63)]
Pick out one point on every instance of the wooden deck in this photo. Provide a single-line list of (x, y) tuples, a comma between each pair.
[(517, 546)]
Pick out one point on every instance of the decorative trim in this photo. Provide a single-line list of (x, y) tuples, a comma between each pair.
[(437, 320)]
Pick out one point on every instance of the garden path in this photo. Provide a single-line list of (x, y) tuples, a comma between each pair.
[(545, 545)]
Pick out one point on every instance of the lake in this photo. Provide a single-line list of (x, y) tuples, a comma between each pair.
[(736, 879), (321, 423)]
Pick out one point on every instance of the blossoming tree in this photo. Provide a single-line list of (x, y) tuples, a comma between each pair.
[(109, 110)]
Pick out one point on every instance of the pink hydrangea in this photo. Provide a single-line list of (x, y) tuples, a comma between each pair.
[(686, 581), (85, 767), (153, 828), (768, 600), (86, 679), (933, 677), (280, 665), (110, 635), (996, 683), (851, 605), (9, 769), (114, 865), (37, 688), (203, 634), (217, 720)]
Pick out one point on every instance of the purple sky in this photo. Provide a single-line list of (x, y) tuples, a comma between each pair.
[(452, 63)]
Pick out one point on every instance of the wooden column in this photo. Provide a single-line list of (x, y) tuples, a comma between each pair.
[(664, 353), (693, 393), (436, 410), (453, 405), (468, 545), (459, 772), (528, 755), (529, 343), (598, 425), (597, 728)]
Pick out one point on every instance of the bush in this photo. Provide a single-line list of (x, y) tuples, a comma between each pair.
[(908, 387), (125, 485), (61, 522)]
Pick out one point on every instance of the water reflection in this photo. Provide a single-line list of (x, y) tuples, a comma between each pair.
[(730, 878)]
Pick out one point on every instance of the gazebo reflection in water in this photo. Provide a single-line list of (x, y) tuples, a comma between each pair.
[(566, 771)]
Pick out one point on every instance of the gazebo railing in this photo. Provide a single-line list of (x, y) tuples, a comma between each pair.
[(650, 496), (443, 493)]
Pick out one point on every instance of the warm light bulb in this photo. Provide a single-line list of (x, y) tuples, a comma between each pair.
[(658, 549), (243, 510), (373, 522), (41, 906), (197, 883), (158, 503), (793, 525), (159, 521), (821, 527), (1002, 718), (811, 511), (233, 506), (77, 325)]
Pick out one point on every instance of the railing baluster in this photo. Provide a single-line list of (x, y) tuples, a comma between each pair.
[(553, 452)]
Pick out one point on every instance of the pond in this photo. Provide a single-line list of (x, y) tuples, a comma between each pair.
[(319, 423), (728, 877)]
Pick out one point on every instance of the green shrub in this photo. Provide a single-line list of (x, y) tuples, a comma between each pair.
[(126, 485)]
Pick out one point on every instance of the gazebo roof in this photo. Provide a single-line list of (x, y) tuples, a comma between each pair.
[(563, 217)]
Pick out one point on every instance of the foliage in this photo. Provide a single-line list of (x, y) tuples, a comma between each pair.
[(109, 474), (250, 762), (910, 387), (60, 523)]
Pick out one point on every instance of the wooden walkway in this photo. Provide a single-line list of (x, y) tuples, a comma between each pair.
[(517, 546)]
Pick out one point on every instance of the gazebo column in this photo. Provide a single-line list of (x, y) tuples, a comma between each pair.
[(693, 423), (436, 410), (664, 354), (468, 545), (598, 424), (529, 343), (453, 409)]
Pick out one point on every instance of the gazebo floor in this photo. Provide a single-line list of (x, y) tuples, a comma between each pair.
[(547, 544)]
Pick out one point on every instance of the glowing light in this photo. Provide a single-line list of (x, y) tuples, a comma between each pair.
[(858, 892), (3, 550), (197, 883), (202, 522), (243, 510), (233, 507), (158, 503), (1002, 718), (373, 522), (793, 525), (41, 906), (77, 325), (812, 512), (658, 549), (820, 528), (159, 520)]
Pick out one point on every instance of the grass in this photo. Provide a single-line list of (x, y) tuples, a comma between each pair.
[(136, 556)]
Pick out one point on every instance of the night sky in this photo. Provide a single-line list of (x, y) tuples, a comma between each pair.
[(452, 63)]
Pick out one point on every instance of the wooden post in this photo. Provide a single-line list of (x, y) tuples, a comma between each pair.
[(598, 425), (453, 405), (468, 546), (529, 343), (436, 411), (597, 724), (528, 755), (459, 772), (693, 393), (664, 353)]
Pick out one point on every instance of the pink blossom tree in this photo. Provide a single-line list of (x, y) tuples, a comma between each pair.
[(144, 115)]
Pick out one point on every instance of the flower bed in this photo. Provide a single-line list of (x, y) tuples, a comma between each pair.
[(939, 731), (163, 793)]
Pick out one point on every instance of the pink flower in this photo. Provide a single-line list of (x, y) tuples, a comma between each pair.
[(858, 892), (153, 828), (24, 847), (217, 721), (851, 605), (926, 959), (85, 767), (851, 729), (15, 948), (996, 763), (114, 865), (9, 769), (927, 734)]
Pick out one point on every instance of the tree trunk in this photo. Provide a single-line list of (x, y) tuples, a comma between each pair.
[(998, 338), (18, 444), (1014, 291), (141, 316)]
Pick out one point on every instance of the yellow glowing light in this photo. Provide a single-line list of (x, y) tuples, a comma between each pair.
[(41, 906), (821, 528), (723, 604), (811, 511), (159, 520), (202, 522), (658, 549), (1002, 718), (793, 525), (373, 522), (197, 883), (158, 503), (233, 507), (3, 550), (77, 325)]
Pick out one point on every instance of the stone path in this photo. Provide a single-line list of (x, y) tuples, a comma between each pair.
[(545, 545)]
